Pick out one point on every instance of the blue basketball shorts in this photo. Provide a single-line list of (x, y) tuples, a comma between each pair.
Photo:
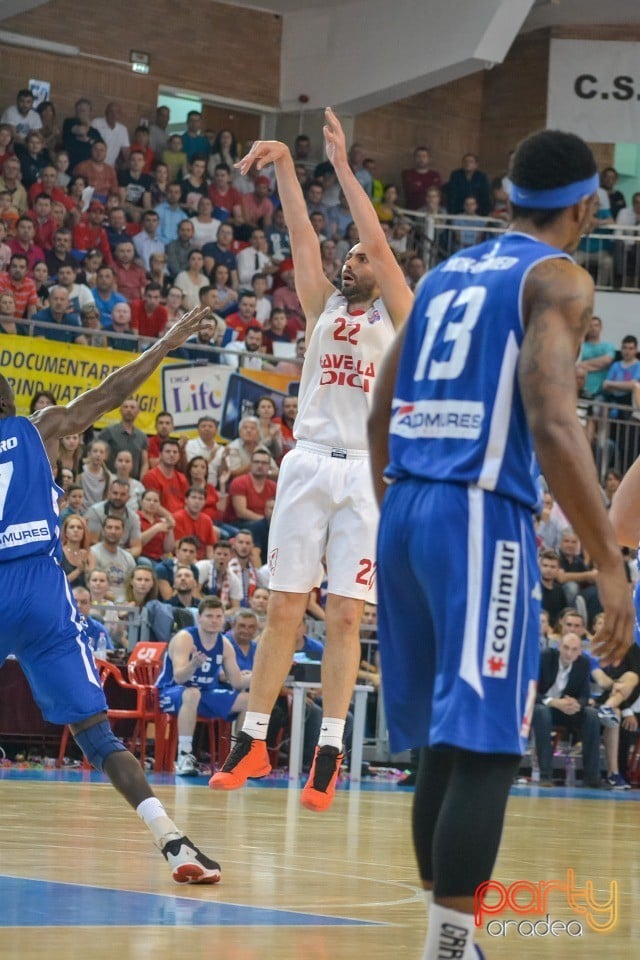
[(458, 617), (40, 624), (215, 704)]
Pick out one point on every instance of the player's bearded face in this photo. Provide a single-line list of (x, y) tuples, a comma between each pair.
[(358, 282)]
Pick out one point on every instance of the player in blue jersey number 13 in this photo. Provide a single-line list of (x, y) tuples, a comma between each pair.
[(39, 621), (480, 379)]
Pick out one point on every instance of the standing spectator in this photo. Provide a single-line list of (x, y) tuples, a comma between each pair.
[(22, 118), (130, 277), (135, 187), (78, 134), (193, 139), (608, 181), (468, 181), (169, 482), (159, 132), (126, 436), (596, 356), (417, 180), (114, 133)]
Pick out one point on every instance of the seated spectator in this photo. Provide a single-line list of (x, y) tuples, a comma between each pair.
[(179, 251), (90, 234), (242, 564), (319, 223), (217, 580), (562, 701), (468, 226), (23, 242), (7, 313), (204, 445), (215, 500), (192, 280), (185, 553), (255, 259), (278, 331), (91, 263), (259, 530), (164, 429), (116, 504), (63, 165), (102, 605), (105, 294), (77, 560), (575, 575), (278, 239), (194, 141), (148, 316), (98, 173), (205, 225), (612, 481), (11, 182), (287, 299), (287, 421), (134, 187), (223, 299), (20, 286), (608, 181), (269, 426), (70, 453), (116, 228), (130, 277), (33, 158), (160, 186), (166, 479), (49, 131), (594, 252), (259, 286), (141, 142), (6, 142), (79, 293), (187, 589), (126, 436), (331, 266), (170, 214), (387, 208), (224, 149), (553, 597), (257, 208), (236, 456), (123, 466), (258, 604), (100, 641), (224, 197), (175, 158), (156, 527), (251, 349), (622, 382), (22, 117), (626, 253), (43, 283), (61, 255), (95, 478), (250, 492), (188, 682), (58, 312), (548, 527), (5, 249), (238, 323), (191, 521), (75, 502), (195, 185), (44, 225), (78, 135), (110, 557), (207, 336), (147, 241), (620, 683), (468, 181)]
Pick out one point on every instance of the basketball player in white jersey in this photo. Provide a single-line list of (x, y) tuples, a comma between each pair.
[(325, 504)]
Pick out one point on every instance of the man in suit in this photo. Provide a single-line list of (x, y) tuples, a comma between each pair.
[(563, 694)]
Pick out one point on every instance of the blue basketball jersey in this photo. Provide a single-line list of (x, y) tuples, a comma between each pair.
[(29, 515), (206, 674), (457, 412)]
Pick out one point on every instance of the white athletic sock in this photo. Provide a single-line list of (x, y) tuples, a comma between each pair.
[(256, 724), (185, 745), (331, 733), (153, 814), (450, 935)]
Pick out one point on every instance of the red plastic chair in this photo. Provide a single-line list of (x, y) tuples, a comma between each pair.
[(126, 701), (219, 733), (143, 667)]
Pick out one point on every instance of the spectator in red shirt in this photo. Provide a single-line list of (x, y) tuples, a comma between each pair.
[(97, 172), (245, 317), (16, 282), (44, 224), (164, 429), (149, 316), (191, 521), (141, 143), (90, 234), (224, 196), (49, 184), (130, 277), (257, 209), (287, 299), (419, 178), (23, 241), (169, 482), (250, 491)]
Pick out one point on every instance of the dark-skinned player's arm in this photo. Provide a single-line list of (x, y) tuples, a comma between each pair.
[(55, 422), (558, 305), (380, 415)]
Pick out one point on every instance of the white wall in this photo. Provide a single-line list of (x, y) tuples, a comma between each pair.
[(620, 315)]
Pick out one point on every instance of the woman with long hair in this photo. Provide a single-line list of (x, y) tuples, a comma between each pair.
[(268, 427), (216, 501), (77, 560), (160, 183), (226, 298), (224, 150), (141, 587), (70, 453), (156, 527), (175, 307), (95, 478), (49, 131), (40, 400)]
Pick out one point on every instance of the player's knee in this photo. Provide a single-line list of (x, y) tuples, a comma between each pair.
[(97, 743), (343, 613), (191, 696)]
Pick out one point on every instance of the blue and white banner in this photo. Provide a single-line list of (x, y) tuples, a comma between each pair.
[(594, 89)]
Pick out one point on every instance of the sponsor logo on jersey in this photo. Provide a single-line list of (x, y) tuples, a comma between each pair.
[(17, 534), (9, 444), (343, 370), (374, 316), (502, 607), (437, 419)]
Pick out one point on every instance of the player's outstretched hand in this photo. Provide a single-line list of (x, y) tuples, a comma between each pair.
[(334, 139), (185, 327), (612, 640), (262, 153)]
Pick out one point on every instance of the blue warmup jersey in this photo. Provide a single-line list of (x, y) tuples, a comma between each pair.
[(39, 620), (457, 412), (29, 515), (206, 675)]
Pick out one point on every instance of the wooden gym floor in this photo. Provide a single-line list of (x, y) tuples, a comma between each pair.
[(79, 876)]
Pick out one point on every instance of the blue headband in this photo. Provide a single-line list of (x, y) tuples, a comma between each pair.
[(557, 197)]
